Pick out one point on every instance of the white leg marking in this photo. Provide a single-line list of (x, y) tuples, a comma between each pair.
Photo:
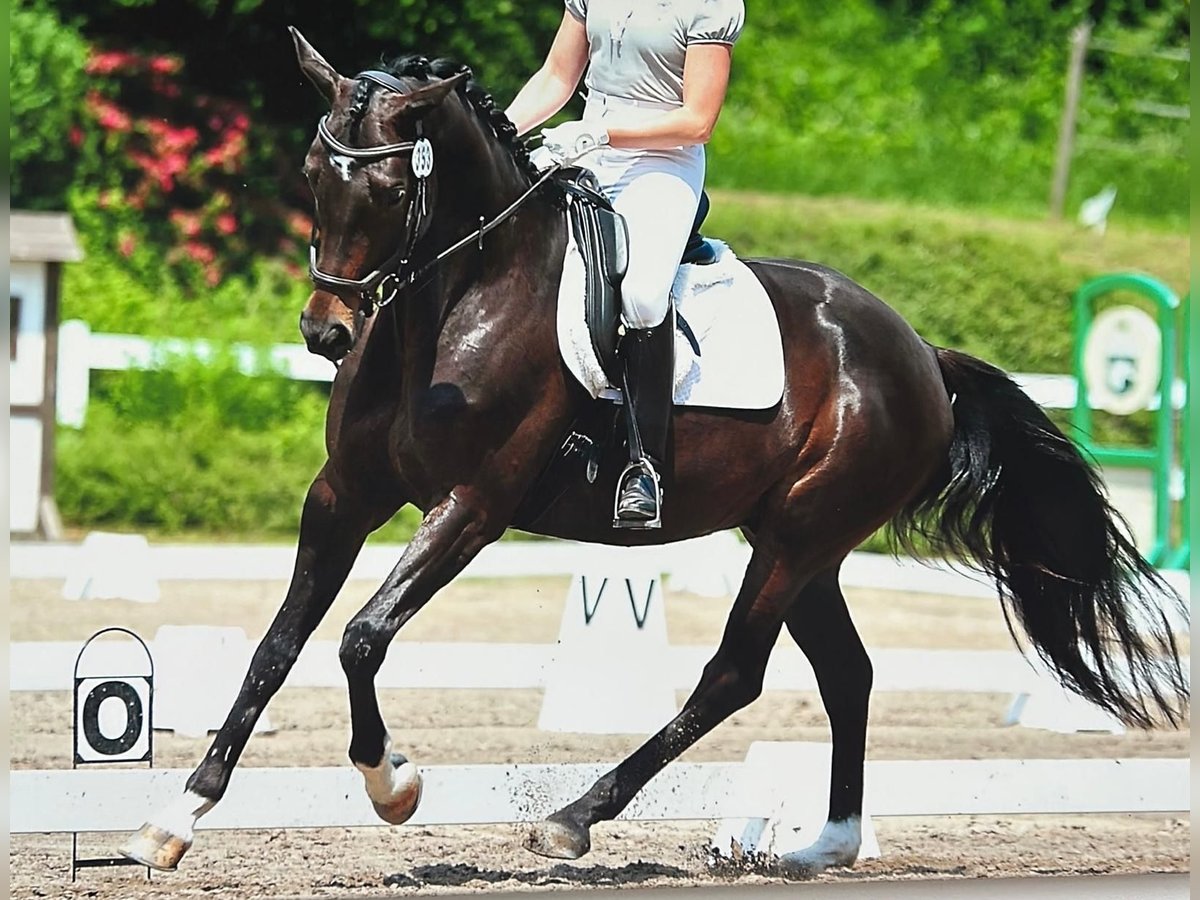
[(179, 819), (837, 846), (385, 782)]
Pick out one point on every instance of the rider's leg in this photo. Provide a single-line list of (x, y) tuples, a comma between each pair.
[(649, 366), (659, 205)]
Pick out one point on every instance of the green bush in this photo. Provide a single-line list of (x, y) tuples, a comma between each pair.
[(46, 84), (137, 295)]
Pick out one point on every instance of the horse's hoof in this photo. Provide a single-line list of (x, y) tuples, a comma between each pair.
[(406, 792), (155, 847), (837, 845), (558, 840)]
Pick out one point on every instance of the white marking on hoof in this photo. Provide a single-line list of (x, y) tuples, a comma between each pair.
[(394, 786), (166, 836), (837, 846)]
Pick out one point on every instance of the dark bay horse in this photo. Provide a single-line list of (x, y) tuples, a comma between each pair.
[(453, 397)]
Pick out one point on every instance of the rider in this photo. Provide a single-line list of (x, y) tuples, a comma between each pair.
[(657, 74)]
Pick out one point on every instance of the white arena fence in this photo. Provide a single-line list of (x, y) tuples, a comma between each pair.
[(715, 562), (100, 800), (81, 352), (465, 665), (635, 694)]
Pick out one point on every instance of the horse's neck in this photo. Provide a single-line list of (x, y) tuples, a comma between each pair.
[(511, 282)]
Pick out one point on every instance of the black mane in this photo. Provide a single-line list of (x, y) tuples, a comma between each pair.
[(421, 68)]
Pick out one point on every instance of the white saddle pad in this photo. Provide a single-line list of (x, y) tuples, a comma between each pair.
[(740, 365)]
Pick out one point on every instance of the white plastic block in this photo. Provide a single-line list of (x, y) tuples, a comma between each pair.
[(113, 567), (609, 672), (198, 670), (790, 780)]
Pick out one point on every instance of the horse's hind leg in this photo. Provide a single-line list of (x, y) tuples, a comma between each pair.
[(731, 680), (332, 531), (821, 625)]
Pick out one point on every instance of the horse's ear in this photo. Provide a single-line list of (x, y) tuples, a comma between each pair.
[(425, 98), (312, 64)]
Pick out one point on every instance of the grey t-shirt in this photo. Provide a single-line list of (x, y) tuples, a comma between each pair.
[(637, 47)]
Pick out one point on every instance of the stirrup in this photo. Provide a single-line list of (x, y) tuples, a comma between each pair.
[(643, 465)]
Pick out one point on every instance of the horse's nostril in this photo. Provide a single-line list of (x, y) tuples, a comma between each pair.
[(336, 335)]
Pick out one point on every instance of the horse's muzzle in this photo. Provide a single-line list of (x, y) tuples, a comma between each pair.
[(326, 337)]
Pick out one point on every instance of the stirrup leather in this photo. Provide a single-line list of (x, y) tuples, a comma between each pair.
[(642, 465)]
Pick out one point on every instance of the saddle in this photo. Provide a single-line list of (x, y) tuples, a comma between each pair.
[(603, 242)]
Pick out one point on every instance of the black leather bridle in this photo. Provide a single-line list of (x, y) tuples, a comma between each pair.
[(381, 286)]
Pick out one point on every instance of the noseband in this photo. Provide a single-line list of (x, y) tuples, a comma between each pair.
[(381, 286)]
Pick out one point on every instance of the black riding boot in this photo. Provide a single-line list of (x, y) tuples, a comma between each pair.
[(649, 359)]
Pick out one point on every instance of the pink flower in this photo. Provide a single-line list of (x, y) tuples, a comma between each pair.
[(126, 245), (200, 252), (165, 65), (300, 225), (169, 139), (75, 136), (226, 223), (107, 113), (188, 223), (107, 63), (165, 88)]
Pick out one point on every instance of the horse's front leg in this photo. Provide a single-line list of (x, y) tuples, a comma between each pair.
[(451, 535), (332, 531)]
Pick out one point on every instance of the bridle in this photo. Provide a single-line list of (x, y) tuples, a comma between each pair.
[(382, 285)]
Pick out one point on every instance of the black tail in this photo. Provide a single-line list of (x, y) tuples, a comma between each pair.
[(1020, 502)]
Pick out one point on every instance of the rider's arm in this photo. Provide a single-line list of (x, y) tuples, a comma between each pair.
[(550, 87), (705, 78)]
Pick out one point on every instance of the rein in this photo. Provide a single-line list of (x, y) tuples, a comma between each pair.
[(382, 285)]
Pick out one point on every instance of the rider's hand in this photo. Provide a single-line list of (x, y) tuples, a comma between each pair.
[(572, 140), (544, 159)]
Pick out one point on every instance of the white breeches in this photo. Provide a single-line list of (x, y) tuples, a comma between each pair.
[(657, 192)]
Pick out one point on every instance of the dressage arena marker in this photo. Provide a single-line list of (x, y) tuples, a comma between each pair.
[(112, 567), (200, 673), (605, 675), (799, 812), (1052, 707), (100, 693), (92, 800)]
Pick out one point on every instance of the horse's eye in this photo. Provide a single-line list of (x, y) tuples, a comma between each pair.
[(395, 196)]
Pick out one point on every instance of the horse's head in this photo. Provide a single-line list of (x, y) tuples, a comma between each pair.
[(372, 175)]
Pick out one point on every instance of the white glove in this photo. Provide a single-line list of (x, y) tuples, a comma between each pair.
[(571, 140), (544, 159)]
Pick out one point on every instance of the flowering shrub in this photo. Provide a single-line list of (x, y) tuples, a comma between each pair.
[(166, 166)]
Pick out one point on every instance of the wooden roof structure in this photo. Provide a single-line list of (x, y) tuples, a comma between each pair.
[(42, 237)]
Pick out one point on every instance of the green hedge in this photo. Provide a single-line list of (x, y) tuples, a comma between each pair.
[(954, 103), (207, 450)]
